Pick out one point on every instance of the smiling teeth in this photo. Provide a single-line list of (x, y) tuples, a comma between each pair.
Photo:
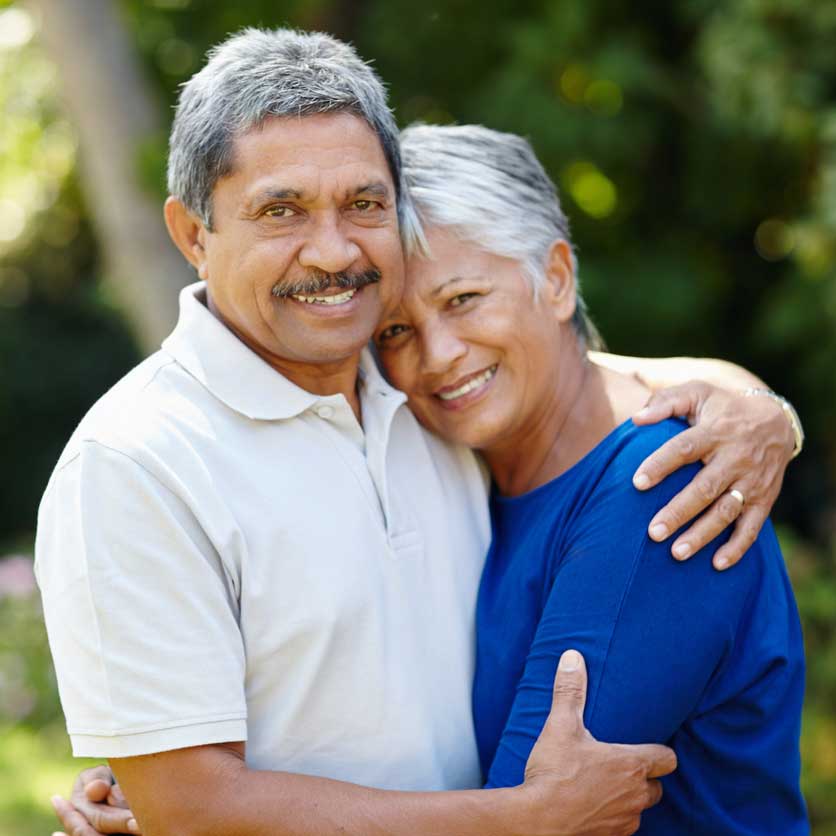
[(339, 299), (472, 384)]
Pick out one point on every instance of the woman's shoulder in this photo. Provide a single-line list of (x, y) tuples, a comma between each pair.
[(616, 458), (614, 495)]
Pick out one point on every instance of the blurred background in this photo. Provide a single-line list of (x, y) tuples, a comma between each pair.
[(694, 144)]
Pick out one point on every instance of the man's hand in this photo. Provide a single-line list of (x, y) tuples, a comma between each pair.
[(584, 787), (96, 806), (746, 444), (574, 786)]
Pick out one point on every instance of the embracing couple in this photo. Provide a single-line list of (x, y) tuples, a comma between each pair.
[(263, 559)]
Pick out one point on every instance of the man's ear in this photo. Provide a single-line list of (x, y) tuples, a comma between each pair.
[(188, 233), (559, 289)]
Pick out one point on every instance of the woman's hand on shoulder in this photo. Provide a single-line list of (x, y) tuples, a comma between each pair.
[(745, 444)]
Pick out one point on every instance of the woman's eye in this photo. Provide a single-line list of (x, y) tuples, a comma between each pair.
[(280, 212), (391, 332), (461, 299)]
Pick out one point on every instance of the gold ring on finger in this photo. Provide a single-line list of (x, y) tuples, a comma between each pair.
[(738, 496)]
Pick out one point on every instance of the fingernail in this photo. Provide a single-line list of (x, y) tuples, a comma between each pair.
[(133, 827), (570, 661), (642, 412), (720, 563), (682, 551), (56, 799), (659, 531), (641, 480)]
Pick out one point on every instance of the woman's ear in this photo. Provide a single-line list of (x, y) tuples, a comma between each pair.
[(188, 233), (559, 288)]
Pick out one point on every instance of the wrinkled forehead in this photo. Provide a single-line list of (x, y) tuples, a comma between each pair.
[(310, 157)]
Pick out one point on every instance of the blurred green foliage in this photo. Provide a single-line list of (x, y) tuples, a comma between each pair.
[(694, 143)]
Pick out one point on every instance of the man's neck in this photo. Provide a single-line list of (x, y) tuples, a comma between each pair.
[(340, 377)]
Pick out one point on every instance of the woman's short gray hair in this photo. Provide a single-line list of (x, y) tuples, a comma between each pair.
[(492, 190), (256, 74)]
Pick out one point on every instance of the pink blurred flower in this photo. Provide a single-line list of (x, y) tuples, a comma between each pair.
[(17, 580)]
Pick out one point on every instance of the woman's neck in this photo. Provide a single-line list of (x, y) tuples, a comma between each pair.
[(574, 416)]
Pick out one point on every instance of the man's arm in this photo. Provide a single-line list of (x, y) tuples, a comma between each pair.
[(744, 442), (661, 372), (574, 785)]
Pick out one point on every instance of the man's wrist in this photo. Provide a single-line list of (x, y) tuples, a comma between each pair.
[(789, 411), (509, 811)]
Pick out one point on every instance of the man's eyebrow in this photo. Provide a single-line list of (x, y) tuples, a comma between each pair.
[(275, 193), (373, 189)]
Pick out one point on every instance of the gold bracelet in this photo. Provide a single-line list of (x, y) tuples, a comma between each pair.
[(789, 411)]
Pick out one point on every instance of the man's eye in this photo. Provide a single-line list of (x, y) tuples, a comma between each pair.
[(461, 299), (366, 205), (391, 332), (280, 212)]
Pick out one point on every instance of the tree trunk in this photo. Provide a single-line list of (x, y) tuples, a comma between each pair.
[(114, 109)]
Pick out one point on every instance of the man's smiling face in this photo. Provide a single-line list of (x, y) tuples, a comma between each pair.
[(304, 256)]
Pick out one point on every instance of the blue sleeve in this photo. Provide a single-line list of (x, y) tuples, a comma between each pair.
[(653, 631)]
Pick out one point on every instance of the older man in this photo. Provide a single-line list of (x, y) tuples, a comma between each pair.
[(250, 538)]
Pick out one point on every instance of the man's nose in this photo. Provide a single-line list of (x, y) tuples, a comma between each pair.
[(327, 247)]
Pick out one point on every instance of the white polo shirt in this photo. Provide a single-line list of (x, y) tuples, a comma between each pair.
[(224, 556)]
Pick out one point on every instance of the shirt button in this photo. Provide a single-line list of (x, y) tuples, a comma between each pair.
[(325, 411)]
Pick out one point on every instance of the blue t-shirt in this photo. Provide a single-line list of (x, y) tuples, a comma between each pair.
[(710, 663)]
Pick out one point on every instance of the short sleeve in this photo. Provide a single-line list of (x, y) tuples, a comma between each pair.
[(140, 615)]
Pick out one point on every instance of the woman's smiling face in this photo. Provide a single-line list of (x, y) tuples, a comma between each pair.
[(473, 349)]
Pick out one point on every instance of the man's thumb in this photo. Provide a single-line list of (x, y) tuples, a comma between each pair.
[(569, 691)]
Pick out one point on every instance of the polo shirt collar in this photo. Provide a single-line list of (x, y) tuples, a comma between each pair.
[(373, 382), (238, 377), (234, 374)]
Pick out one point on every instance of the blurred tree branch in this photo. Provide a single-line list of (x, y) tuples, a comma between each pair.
[(114, 110)]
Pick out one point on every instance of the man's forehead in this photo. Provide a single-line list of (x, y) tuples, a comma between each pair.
[(330, 143)]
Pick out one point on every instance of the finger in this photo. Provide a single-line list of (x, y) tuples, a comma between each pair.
[(74, 822), (725, 510), (116, 798), (104, 818), (658, 760), (694, 498), (107, 819), (654, 793), (569, 696), (95, 773), (746, 530), (686, 447), (97, 790), (666, 403)]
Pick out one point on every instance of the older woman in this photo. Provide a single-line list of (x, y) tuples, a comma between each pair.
[(490, 343)]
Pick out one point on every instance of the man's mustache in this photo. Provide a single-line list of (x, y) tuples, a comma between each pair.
[(318, 281)]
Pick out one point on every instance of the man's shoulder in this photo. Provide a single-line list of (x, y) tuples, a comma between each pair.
[(140, 412)]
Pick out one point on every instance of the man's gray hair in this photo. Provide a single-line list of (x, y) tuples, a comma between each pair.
[(491, 189), (256, 74)]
